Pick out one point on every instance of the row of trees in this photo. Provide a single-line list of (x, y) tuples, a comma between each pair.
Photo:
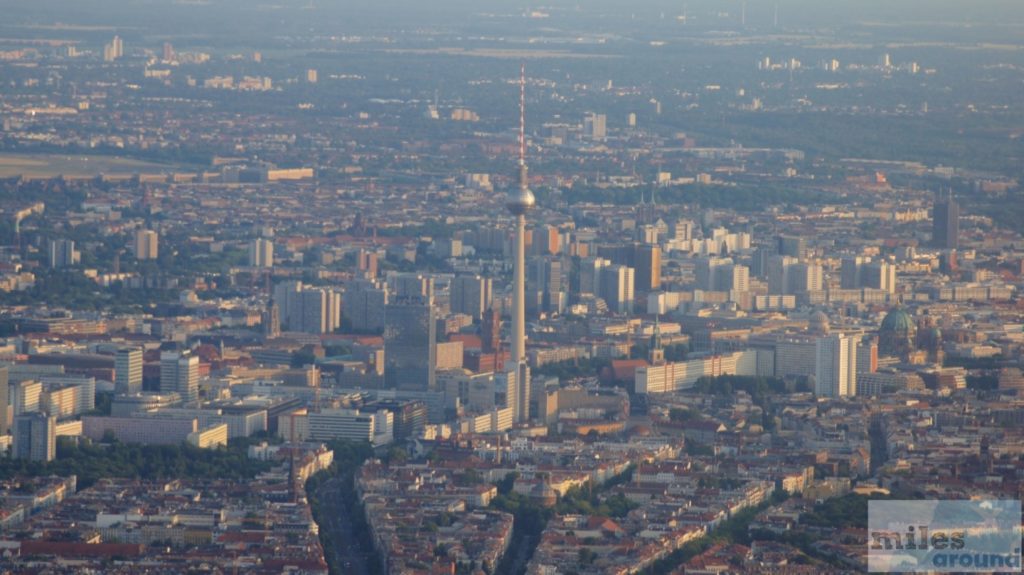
[(91, 462), (759, 388), (530, 518), (348, 457), (573, 368), (73, 290), (732, 530)]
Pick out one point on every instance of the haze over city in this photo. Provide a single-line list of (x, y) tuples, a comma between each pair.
[(462, 287)]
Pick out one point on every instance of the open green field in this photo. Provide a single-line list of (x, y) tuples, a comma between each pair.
[(74, 166)]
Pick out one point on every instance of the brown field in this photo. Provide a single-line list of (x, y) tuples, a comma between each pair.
[(73, 166)]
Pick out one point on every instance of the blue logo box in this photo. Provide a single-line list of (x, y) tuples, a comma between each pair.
[(944, 536)]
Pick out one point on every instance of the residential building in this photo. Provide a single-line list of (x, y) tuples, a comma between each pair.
[(146, 245), (261, 253), (63, 254)]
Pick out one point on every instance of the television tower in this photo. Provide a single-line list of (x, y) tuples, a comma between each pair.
[(519, 202)]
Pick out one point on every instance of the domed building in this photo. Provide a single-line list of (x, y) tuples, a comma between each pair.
[(818, 323), (929, 338), (897, 335)]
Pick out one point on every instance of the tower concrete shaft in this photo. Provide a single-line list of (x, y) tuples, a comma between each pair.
[(519, 292)]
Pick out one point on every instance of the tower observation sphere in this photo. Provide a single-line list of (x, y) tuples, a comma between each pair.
[(520, 199)]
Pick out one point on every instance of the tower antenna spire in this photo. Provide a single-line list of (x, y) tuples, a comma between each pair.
[(522, 115)]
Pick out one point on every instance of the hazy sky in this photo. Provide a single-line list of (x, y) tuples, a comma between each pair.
[(795, 12)]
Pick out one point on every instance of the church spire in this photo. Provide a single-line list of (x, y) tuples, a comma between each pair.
[(656, 352)]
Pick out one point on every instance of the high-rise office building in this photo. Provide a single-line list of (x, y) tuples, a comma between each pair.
[(648, 234), (880, 275), (589, 274), (707, 274), (261, 253), (508, 392), (683, 230), (470, 295), (867, 356), (946, 223), (113, 50), (805, 277), (288, 297), (128, 370), (67, 395), (179, 372), (850, 271), (410, 343), (411, 285), (793, 246), (860, 272), (271, 319), (63, 254), (333, 311), (476, 391), (364, 303), (722, 241), (547, 240), (366, 263), (307, 309), (835, 369), (778, 274), (35, 437), (616, 288), (759, 261), (732, 278), (795, 356), (545, 284), (26, 396), (146, 245), (490, 331), (619, 254), (595, 126), (648, 268), (787, 276), (313, 317)]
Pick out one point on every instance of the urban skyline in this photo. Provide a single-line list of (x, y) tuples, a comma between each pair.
[(469, 287)]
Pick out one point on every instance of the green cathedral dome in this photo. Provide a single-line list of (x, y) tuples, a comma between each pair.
[(898, 321)]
